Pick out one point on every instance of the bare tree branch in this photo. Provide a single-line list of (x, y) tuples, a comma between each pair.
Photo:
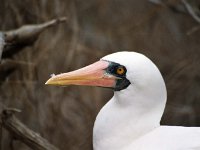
[(183, 7), (26, 35), (22, 133)]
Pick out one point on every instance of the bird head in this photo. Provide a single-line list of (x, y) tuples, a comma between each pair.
[(130, 73), (103, 73)]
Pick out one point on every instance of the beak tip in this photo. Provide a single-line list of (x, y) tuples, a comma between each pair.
[(49, 82)]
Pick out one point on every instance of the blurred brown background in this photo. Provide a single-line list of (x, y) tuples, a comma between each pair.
[(165, 32)]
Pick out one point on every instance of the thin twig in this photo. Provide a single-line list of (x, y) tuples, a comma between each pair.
[(191, 11), (173, 5)]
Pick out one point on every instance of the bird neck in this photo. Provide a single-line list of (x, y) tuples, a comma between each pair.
[(124, 119)]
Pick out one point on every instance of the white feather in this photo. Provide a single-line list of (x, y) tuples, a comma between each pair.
[(131, 119)]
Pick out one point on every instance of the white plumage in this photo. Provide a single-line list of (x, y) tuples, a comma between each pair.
[(131, 119)]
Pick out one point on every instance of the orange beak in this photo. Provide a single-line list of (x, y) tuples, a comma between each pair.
[(92, 75)]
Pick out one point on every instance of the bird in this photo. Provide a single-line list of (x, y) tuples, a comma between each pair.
[(130, 120)]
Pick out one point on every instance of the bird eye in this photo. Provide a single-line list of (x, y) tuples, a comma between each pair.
[(120, 70)]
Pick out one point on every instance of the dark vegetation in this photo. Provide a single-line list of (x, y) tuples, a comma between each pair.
[(167, 31)]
